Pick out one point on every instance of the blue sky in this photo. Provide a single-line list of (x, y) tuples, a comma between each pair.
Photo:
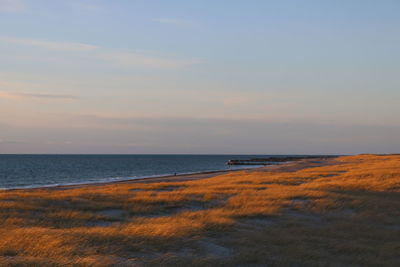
[(98, 76)]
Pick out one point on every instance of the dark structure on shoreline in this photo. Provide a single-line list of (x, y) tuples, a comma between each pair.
[(273, 160)]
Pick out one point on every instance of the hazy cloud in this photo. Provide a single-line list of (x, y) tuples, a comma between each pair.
[(112, 57), (12, 6), (99, 134), (233, 101), (130, 59), (11, 95), (64, 46)]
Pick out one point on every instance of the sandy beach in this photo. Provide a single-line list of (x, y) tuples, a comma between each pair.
[(338, 211), (303, 163), (289, 166)]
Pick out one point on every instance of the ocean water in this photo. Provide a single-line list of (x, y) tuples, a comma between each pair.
[(24, 171)]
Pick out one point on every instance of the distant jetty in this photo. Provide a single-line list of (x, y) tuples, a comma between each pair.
[(273, 160)]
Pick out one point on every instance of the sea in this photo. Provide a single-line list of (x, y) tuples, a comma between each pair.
[(31, 171)]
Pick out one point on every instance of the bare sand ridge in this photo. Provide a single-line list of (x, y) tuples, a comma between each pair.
[(343, 211)]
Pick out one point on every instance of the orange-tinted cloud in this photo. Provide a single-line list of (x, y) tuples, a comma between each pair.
[(11, 95), (52, 45)]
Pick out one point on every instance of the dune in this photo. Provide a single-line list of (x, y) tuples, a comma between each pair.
[(332, 212)]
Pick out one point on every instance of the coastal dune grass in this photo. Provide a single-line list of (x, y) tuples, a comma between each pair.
[(344, 211)]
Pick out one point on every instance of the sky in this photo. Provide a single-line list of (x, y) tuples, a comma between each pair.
[(200, 77)]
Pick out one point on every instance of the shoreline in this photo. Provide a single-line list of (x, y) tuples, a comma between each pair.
[(304, 163), (155, 178)]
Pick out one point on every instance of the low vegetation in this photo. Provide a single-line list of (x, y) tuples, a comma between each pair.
[(344, 211)]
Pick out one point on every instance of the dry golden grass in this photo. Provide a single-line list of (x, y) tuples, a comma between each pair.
[(340, 212)]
